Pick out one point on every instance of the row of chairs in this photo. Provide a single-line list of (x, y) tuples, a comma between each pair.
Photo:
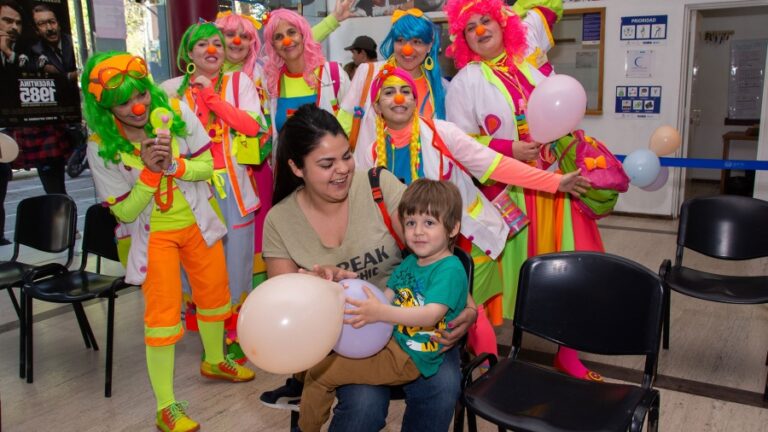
[(608, 305), (48, 223)]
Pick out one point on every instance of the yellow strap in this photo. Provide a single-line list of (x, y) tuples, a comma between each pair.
[(219, 182)]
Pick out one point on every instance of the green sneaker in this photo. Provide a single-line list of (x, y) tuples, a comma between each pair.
[(173, 418), (236, 352), (227, 370)]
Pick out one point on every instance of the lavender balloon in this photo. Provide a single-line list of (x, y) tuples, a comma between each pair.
[(660, 181), (368, 339)]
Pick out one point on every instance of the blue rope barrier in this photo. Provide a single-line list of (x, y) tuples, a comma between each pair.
[(719, 164)]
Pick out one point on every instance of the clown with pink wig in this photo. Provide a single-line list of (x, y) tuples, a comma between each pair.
[(412, 146), (502, 58), (296, 70)]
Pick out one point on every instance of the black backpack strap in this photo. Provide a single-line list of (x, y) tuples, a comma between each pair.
[(374, 175)]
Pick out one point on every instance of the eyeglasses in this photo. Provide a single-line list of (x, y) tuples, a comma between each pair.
[(110, 74)]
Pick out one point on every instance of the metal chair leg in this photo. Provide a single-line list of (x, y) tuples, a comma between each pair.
[(85, 327), (15, 302), (28, 339), (666, 312), (22, 336), (294, 420), (458, 417), (110, 342)]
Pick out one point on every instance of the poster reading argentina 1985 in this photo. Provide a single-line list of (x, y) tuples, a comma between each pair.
[(38, 73)]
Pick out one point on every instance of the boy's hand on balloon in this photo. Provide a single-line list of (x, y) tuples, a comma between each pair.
[(525, 150), (574, 183), (368, 310)]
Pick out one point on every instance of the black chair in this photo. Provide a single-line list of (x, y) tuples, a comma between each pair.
[(725, 227), (46, 223), (397, 392), (54, 283), (592, 302)]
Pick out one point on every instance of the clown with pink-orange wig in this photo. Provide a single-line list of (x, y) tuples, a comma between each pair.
[(502, 55), (296, 70)]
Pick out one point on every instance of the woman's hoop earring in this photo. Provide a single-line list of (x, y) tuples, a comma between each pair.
[(191, 68), (429, 64)]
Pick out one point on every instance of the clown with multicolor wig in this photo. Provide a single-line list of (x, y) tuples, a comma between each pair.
[(413, 45), (413, 146), (150, 161), (501, 58)]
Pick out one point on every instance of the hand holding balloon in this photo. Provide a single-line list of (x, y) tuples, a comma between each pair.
[(369, 339), (369, 310), (331, 273)]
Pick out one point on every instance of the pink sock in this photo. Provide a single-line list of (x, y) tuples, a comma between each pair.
[(567, 360)]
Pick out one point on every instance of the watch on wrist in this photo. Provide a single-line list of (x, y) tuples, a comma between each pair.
[(171, 171)]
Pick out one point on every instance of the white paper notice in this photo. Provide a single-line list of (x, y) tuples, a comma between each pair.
[(639, 64), (109, 16)]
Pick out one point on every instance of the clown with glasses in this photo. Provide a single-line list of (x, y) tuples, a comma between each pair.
[(150, 160)]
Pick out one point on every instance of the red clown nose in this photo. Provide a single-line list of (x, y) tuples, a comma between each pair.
[(407, 49), (287, 41), (211, 49), (399, 99), (138, 109), (480, 30), (236, 40)]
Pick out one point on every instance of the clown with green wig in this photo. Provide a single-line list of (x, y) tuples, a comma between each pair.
[(227, 106), (150, 161)]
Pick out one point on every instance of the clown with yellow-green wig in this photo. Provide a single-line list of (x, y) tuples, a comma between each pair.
[(150, 162)]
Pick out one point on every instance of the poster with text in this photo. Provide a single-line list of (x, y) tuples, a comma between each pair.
[(38, 71)]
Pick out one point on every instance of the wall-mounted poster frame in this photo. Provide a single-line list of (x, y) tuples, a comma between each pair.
[(579, 51), (448, 68)]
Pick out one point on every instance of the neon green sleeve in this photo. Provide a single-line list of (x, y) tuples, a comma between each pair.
[(199, 168), (345, 120), (521, 7), (324, 28), (140, 196)]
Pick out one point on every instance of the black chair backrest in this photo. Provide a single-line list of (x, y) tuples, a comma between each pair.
[(724, 226), (47, 223), (468, 263), (593, 302), (99, 233)]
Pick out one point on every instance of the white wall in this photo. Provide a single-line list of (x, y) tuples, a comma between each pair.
[(621, 135)]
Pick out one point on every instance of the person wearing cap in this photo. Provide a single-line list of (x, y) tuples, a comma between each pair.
[(150, 163), (412, 44), (501, 58), (363, 50)]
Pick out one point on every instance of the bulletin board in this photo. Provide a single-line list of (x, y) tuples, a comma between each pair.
[(745, 83)]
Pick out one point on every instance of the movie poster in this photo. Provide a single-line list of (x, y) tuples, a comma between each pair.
[(38, 72)]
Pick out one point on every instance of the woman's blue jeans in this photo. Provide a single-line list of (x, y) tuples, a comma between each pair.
[(430, 402)]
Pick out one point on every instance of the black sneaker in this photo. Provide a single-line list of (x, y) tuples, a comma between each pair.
[(4, 241), (285, 397)]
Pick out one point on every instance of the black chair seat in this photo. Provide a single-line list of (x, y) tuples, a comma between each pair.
[(73, 287), (718, 288), (12, 273), (525, 397)]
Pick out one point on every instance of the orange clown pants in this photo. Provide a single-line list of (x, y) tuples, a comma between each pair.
[(207, 273)]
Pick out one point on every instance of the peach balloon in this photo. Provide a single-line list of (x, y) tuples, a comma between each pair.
[(291, 322), (665, 140)]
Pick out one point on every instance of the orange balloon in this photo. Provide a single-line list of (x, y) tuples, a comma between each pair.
[(211, 49), (287, 41), (407, 49), (236, 40), (480, 30), (665, 140), (138, 109), (399, 99)]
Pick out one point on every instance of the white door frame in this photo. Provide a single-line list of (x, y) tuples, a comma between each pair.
[(686, 86)]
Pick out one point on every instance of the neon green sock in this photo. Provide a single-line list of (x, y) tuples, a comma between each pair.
[(212, 335), (160, 367)]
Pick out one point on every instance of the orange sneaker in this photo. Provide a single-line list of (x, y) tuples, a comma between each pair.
[(173, 418)]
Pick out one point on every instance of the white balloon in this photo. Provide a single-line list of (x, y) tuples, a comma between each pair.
[(9, 149)]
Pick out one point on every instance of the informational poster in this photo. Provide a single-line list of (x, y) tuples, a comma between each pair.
[(644, 30), (745, 84), (638, 101), (638, 64), (590, 28), (38, 72)]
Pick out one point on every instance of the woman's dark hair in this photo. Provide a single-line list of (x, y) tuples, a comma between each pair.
[(299, 136)]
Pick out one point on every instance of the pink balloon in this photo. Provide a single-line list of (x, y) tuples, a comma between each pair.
[(368, 339), (290, 322), (660, 181), (665, 140), (555, 108)]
